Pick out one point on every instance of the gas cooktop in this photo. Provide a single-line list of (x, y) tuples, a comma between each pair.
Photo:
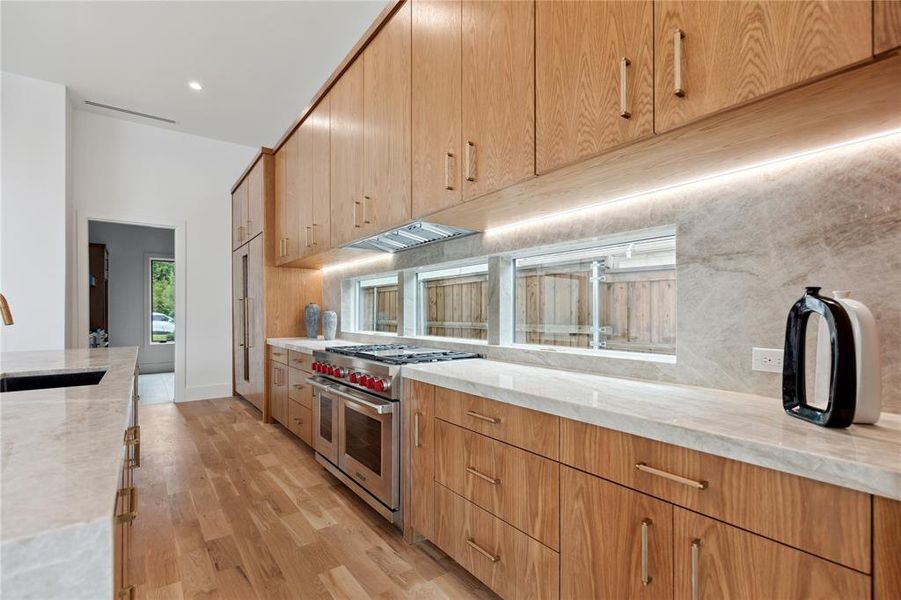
[(399, 354)]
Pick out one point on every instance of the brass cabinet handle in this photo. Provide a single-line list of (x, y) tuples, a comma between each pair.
[(416, 442), (309, 236), (645, 567), (470, 161), (313, 229), (128, 592), (678, 36), (133, 439), (297, 420), (492, 557), (623, 88), (695, 559), (481, 417), (128, 516), (367, 209), (482, 476), (247, 336), (357, 204), (644, 468), (449, 171)]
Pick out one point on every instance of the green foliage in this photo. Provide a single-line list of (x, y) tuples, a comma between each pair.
[(162, 296)]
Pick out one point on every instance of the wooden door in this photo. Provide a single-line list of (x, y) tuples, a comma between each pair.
[(386, 135), (278, 392), (320, 168), (256, 181), (614, 542), (594, 78), (498, 95), (346, 152), (239, 291), (715, 560), (732, 52), (886, 25), (239, 220), (437, 75), (420, 416), (256, 336)]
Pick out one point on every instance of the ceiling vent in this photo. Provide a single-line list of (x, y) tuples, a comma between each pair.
[(409, 236), (130, 112)]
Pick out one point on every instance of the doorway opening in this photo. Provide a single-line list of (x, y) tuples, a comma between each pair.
[(131, 298)]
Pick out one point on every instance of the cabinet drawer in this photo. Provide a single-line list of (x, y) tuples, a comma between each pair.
[(298, 388), (535, 431), (279, 355), (300, 421), (519, 487), (505, 559), (714, 560), (780, 506), (299, 360)]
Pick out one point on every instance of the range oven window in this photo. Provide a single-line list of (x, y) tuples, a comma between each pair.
[(618, 296), (325, 418), (363, 439), (377, 304)]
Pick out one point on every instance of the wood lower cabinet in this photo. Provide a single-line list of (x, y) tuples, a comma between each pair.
[(594, 66), (886, 556), (386, 119), (346, 152), (713, 55), (419, 402), (886, 25), (498, 40), (300, 421), (615, 542), (278, 392), (437, 75), (505, 559), (715, 560)]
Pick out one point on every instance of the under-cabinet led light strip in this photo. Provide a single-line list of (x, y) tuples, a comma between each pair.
[(582, 210), (352, 264)]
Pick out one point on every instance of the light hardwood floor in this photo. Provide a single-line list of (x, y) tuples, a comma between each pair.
[(233, 508)]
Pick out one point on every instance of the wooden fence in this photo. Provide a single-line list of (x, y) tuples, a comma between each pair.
[(457, 307)]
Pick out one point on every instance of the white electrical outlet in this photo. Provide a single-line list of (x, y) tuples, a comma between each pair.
[(766, 359)]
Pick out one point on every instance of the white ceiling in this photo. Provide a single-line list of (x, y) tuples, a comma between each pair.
[(259, 62)]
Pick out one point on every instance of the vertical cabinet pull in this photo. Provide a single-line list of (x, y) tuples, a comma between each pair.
[(678, 36), (695, 559), (309, 236), (367, 209), (449, 171), (357, 206), (313, 233), (624, 88), (416, 441), (645, 567), (247, 337), (131, 513), (470, 161)]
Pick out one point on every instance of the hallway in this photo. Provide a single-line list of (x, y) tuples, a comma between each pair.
[(231, 508), (156, 388)]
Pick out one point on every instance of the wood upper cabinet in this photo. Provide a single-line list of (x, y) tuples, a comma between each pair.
[(288, 201), (713, 55), (886, 25), (437, 75), (594, 78), (715, 560), (320, 168), (256, 180), (239, 218), (346, 152), (419, 404), (498, 95), (614, 542), (386, 133)]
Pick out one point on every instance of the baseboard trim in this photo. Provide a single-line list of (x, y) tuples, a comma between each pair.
[(206, 392)]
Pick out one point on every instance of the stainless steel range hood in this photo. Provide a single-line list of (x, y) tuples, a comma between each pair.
[(409, 236)]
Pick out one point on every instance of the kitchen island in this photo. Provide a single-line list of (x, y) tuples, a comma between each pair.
[(62, 456)]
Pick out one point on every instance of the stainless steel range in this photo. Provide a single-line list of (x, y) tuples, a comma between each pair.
[(357, 416)]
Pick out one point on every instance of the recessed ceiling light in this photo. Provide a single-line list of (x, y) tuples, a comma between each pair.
[(195, 85)]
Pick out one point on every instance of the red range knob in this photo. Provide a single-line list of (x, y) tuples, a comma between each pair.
[(353, 377), (315, 366), (330, 370), (379, 385)]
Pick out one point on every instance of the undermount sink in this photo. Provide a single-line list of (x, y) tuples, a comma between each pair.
[(19, 383)]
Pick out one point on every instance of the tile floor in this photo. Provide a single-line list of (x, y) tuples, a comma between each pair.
[(156, 388)]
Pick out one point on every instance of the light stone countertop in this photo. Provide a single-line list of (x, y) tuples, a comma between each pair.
[(306, 345), (744, 427), (61, 453)]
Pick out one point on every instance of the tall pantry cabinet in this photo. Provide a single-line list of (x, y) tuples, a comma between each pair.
[(267, 301)]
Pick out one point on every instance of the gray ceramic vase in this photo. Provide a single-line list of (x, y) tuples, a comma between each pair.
[(329, 324), (311, 320)]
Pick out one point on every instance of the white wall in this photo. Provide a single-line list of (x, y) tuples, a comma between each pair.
[(129, 247), (133, 173), (33, 212)]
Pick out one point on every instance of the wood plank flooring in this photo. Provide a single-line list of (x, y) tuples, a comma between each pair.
[(231, 508)]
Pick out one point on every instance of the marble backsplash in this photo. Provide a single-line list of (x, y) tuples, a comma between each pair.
[(747, 244)]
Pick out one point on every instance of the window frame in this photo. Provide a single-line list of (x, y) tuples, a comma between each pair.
[(374, 281), (148, 281)]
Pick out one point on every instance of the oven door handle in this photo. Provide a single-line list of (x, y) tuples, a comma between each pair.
[(382, 409)]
